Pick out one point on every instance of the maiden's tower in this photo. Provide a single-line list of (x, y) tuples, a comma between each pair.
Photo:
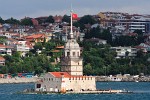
[(71, 76)]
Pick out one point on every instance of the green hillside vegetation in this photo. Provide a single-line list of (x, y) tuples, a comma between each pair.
[(33, 62), (97, 59)]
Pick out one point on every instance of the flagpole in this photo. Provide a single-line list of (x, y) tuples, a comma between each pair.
[(71, 21)]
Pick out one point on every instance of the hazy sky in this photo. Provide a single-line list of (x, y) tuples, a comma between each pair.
[(35, 8)]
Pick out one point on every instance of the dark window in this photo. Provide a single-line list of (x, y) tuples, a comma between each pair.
[(68, 53), (38, 85), (74, 53)]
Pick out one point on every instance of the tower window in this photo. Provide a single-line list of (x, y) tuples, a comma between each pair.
[(74, 53), (78, 54), (68, 53)]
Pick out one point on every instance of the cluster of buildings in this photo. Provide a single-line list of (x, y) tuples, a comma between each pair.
[(125, 21), (124, 24), (23, 38)]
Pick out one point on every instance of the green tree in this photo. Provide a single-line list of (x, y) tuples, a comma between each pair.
[(80, 25), (38, 46), (66, 18), (50, 19), (26, 21), (2, 21), (2, 39), (38, 70), (12, 21), (87, 19), (88, 69), (139, 32)]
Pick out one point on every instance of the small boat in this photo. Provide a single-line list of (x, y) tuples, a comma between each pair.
[(136, 81)]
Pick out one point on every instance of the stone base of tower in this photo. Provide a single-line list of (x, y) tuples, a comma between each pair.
[(80, 83), (64, 82)]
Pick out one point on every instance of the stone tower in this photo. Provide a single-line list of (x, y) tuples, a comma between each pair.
[(71, 61)]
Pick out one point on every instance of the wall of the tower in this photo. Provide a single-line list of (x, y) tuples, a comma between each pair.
[(72, 66), (81, 83), (72, 61)]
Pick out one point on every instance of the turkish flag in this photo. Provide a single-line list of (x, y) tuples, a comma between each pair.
[(74, 16)]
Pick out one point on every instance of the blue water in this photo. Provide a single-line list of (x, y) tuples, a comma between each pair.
[(141, 92)]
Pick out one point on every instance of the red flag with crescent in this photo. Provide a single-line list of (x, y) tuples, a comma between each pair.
[(74, 16)]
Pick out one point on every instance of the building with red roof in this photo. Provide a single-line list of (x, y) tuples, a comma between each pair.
[(58, 19), (35, 22), (2, 61), (36, 38), (5, 50)]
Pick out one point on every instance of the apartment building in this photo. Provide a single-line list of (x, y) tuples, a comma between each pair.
[(129, 22), (123, 52), (5, 50)]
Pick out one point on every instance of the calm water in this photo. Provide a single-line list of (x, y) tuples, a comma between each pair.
[(141, 89)]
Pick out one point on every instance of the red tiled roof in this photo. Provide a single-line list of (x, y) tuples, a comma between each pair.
[(4, 46), (2, 58), (139, 47), (29, 44), (55, 51), (60, 74), (132, 34), (67, 75), (35, 36), (60, 47)]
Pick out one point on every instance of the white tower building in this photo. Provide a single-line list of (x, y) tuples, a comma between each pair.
[(71, 61)]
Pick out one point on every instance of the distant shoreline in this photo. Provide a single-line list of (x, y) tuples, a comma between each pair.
[(35, 79), (18, 80), (122, 79)]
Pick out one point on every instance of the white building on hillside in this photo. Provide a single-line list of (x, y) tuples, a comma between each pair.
[(23, 46), (5, 50), (71, 76), (125, 51)]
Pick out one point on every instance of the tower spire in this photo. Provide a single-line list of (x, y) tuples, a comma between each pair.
[(71, 30)]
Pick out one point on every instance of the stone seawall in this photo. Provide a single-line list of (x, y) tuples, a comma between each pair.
[(123, 79), (19, 80)]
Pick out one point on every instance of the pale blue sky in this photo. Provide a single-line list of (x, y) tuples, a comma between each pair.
[(35, 8)]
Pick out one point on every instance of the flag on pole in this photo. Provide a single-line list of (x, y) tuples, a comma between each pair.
[(74, 16)]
